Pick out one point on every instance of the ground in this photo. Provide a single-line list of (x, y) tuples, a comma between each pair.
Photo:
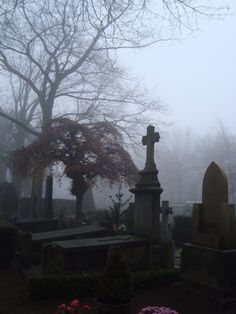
[(14, 298)]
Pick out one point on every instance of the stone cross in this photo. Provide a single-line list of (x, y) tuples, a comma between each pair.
[(149, 141), (165, 211)]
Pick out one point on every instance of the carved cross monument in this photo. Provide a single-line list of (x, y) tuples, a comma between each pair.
[(147, 200), (149, 140)]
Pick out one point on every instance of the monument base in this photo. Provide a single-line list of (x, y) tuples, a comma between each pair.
[(210, 270)]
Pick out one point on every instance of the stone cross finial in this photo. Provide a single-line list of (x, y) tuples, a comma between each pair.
[(149, 140), (165, 211)]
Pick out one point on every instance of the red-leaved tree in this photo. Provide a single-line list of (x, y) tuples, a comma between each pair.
[(86, 150)]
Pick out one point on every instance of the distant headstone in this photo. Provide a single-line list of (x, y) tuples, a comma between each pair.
[(214, 194), (165, 228), (49, 259), (8, 200)]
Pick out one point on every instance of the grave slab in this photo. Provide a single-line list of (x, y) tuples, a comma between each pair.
[(91, 254), (38, 239)]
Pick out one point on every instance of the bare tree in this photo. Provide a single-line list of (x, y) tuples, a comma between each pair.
[(72, 46), (177, 166)]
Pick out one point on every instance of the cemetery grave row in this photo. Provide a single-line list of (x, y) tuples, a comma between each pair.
[(207, 262)]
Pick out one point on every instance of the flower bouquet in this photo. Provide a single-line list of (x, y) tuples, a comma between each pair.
[(75, 307)]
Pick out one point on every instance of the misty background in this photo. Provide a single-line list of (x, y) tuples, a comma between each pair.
[(193, 77)]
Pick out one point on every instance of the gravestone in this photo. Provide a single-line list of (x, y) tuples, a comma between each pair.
[(147, 192), (147, 199), (9, 200), (165, 227), (48, 259), (208, 262), (167, 245), (214, 219)]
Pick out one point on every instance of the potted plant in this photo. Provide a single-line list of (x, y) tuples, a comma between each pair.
[(115, 290)]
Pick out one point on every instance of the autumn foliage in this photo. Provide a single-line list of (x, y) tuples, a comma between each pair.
[(86, 150)]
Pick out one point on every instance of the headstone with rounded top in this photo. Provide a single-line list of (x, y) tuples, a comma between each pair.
[(208, 262), (213, 220)]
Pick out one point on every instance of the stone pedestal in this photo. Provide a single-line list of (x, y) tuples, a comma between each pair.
[(209, 261), (147, 210), (210, 270)]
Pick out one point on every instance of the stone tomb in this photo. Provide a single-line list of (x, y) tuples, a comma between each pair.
[(35, 226), (37, 240), (209, 261), (91, 254)]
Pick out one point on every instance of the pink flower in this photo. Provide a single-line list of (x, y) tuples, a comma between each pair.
[(87, 307), (61, 307), (74, 303), (157, 310), (69, 308)]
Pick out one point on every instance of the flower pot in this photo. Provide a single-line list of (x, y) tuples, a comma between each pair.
[(103, 308)]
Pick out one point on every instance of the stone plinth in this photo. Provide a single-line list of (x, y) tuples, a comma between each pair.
[(210, 270), (147, 210), (209, 261)]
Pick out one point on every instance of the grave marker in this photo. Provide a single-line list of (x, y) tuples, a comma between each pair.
[(208, 262)]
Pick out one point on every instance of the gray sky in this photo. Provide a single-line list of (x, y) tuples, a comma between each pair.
[(195, 76)]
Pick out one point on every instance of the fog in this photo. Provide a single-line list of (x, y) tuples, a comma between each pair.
[(194, 75)]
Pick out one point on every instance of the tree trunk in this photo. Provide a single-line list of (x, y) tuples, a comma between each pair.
[(37, 180), (36, 195), (48, 205), (79, 206)]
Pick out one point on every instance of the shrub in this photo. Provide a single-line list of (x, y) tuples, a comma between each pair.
[(117, 215), (72, 285), (115, 286), (85, 284)]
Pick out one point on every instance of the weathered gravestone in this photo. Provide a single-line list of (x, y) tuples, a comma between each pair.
[(147, 192), (147, 200), (214, 219), (48, 259), (209, 261), (167, 245)]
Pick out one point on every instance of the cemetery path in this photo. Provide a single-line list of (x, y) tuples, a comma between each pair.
[(14, 298)]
